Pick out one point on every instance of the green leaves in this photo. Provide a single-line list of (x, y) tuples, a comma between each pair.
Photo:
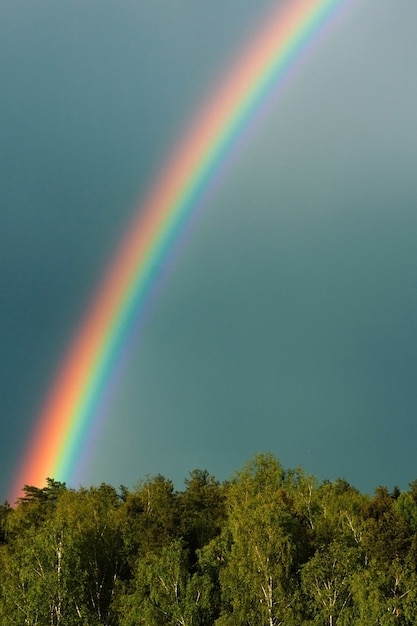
[(259, 575), (158, 594), (271, 547), (63, 568), (326, 582)]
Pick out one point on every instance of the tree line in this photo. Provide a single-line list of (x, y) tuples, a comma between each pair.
[(270, 547)]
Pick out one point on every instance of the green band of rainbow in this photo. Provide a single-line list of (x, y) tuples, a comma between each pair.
[(88, 367)]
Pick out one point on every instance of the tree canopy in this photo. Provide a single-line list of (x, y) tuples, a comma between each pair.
[(269, 547)]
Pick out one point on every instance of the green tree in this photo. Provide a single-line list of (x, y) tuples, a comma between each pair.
[(150, 517), (259, 572), (326, 583), (96, 538), (386, 594), (340, 514), (385, 590), (41, 581), (386, 534), (63, 559), (202, 510), (159, 594), (34, 507)]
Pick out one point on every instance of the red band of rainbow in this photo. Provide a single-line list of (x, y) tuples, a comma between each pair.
[(92, 358)]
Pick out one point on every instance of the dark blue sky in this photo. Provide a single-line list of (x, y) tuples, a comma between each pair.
[(288, 321)]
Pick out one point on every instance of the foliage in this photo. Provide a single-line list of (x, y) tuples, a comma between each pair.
[(270, 547)]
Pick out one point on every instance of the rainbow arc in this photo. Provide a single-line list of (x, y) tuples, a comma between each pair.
[(89, 366)]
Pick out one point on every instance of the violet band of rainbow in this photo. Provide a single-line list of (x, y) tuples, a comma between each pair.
[(92, 357)]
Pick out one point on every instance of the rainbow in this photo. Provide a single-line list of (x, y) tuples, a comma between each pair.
[(90, 365)]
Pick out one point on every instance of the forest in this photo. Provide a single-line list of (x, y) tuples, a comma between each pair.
[(269, 547)]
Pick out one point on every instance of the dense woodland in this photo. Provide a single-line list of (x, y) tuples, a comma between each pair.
[(269, 547)]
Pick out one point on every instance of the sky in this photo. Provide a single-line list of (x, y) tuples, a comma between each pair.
[(287, 320)]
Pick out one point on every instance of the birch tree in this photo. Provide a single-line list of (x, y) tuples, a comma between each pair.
[(259, 579), (326, 583), (159, 593)]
